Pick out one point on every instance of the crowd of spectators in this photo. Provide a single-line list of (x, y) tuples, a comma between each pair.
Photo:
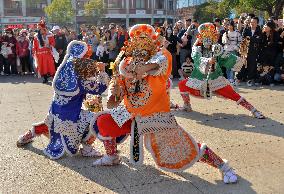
[(265, 57)]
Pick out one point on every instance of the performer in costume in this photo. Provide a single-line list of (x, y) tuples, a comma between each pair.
[(43, 46), (145, 113), (66, 124), (207, 77)]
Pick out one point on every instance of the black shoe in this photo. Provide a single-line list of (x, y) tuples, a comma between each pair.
[(45, 81)]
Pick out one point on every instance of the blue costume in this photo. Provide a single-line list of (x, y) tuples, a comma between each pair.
[(67, 123)]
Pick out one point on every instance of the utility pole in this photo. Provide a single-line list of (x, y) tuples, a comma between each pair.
[(127, 14), (74, 6)]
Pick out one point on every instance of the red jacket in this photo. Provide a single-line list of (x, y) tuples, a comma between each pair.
[(22, 48)]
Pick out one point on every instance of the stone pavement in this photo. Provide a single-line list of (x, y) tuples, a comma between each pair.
[(254, 147)]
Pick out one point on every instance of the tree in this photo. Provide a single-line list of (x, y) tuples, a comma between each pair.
[(32, 3), (272, 7), (206, 12), (95, 8), (60, 12)]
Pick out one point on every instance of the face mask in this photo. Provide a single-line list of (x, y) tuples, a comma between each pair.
[(9, 35), (169, 31), (21, 39)]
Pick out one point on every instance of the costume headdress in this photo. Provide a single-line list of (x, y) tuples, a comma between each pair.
[(41, 24), (142, 37), (207, 31)]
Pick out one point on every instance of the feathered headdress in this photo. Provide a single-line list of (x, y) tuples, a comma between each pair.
[(142, 37), (208, 31)]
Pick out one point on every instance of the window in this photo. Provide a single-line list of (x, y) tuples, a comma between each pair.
[(160, 4), (171, 5), (140, 4), (114, 4)]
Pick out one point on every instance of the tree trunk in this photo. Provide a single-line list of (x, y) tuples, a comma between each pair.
[(278, 8)]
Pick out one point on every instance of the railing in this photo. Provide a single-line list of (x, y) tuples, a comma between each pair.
[(35, 12), (12, 12)]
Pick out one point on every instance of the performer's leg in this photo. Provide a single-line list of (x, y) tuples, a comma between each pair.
[(209, 157), (45, 78), (229, 92), (185, 91), (108, 131), (37, 130), (88, 149)]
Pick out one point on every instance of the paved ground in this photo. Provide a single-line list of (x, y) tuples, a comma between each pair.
[(254, 147)]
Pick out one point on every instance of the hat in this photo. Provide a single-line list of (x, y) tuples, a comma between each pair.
[(180, 22), (188, 19), (55, 28), (23, 31), (271, 24), (8, 29)]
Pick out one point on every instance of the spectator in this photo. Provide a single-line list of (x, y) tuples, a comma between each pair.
[(254, 33), (122, 36), (72, 36), (193, 31), (172, 48), (113, 48), (270, 39), (231, 40), (60, 44), (2, 59), (9, 45), (186, 44), (186, 68), (220, 29), (22, 50), (42, 52), (279, 62), (107, 45), (175, 33), (31, 59)]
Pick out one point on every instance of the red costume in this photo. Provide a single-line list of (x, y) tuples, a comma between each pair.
[(42, 52)]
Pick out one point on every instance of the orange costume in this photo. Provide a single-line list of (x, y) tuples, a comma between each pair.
[(146, 111)]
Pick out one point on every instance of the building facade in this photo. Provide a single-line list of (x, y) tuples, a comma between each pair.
[(26, 13), (21, 13), (132, 12)]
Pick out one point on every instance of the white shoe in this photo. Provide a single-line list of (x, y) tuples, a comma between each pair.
[(89, 151), (250, 83), (258, 114), (229, 175), (2, 73), (173, 106), (25, 139), (186, 108), (107, 160)]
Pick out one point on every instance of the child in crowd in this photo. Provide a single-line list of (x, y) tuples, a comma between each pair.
[(186, 68), (265, 75), (100, 51)]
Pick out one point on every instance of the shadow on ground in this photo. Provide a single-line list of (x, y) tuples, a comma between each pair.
[(145, 178), (239, 122)]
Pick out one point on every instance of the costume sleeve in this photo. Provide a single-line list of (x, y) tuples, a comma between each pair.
[(199, 61), (162, 59), (35, 46), (52, 41), (231, 61)]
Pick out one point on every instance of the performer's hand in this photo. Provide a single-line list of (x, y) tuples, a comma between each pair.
[(212, 61), (114, 88)]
